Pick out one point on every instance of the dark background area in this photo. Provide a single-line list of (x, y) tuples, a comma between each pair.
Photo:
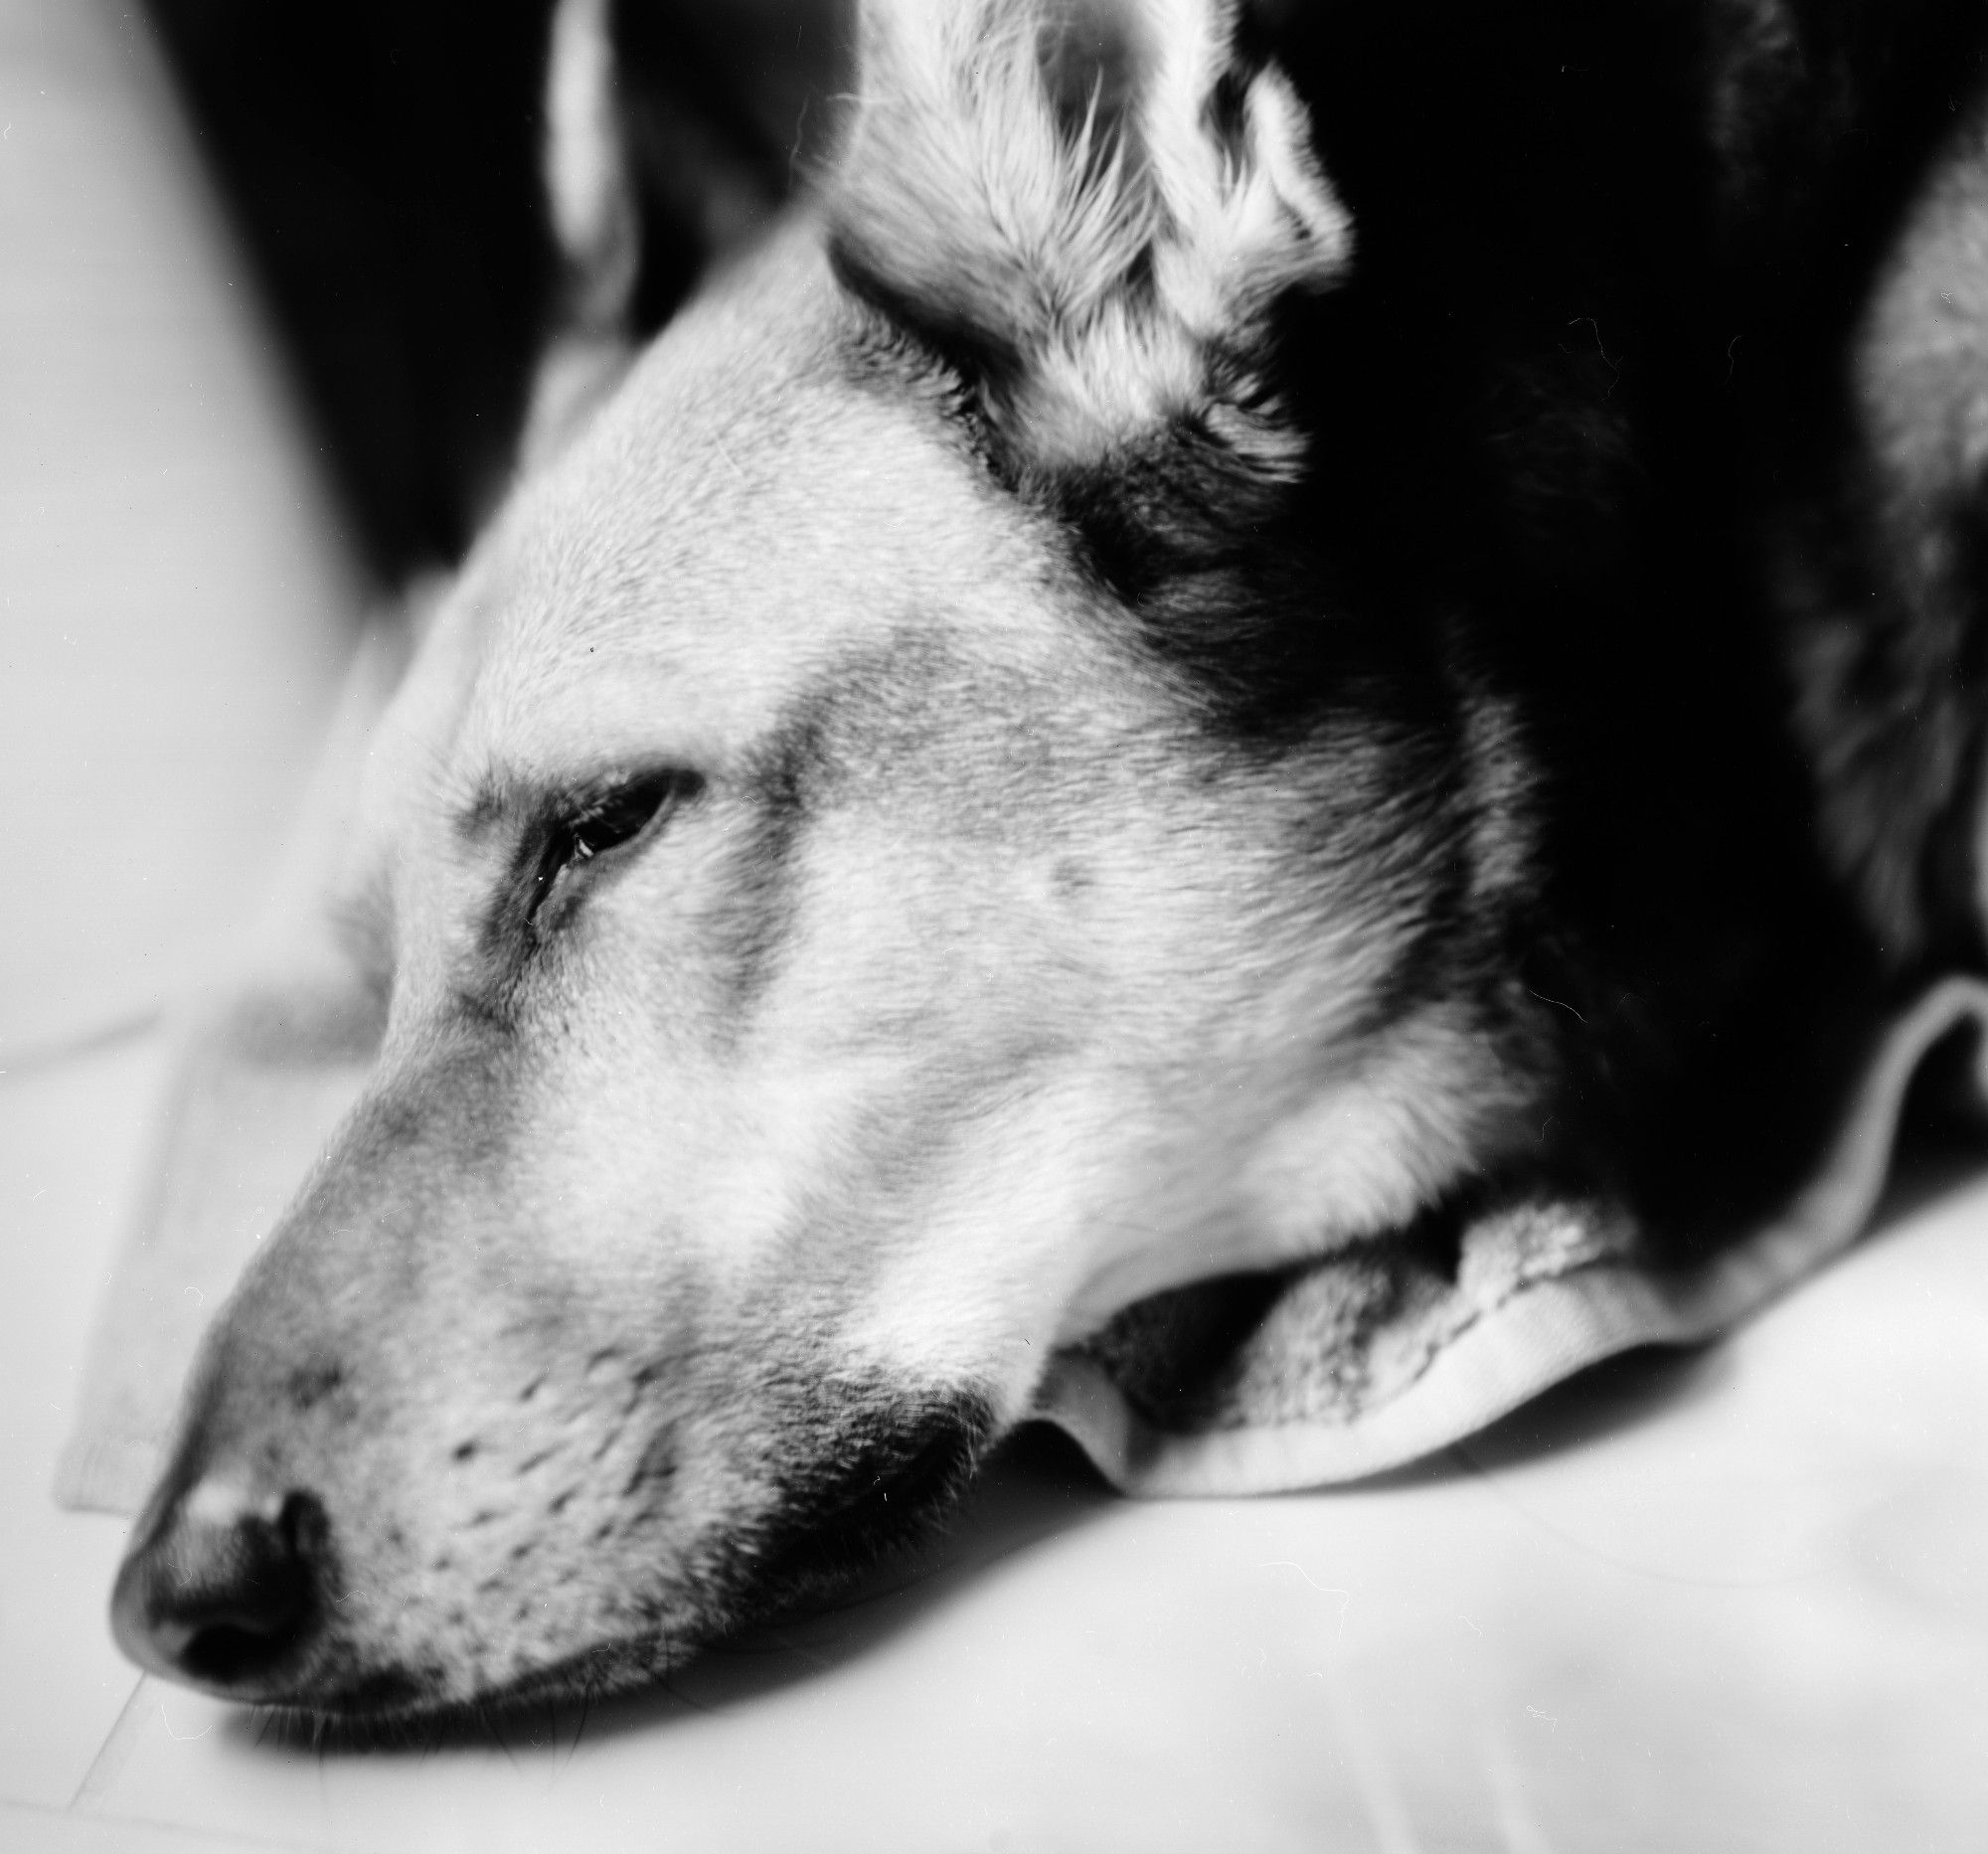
[(380, 161)]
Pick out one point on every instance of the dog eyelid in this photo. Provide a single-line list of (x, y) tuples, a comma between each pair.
[(610, 820), (620, 815)]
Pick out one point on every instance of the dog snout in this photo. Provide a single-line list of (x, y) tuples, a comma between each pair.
[(225, 1590)]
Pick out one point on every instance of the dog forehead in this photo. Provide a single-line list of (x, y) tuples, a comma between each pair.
[(748, 511)]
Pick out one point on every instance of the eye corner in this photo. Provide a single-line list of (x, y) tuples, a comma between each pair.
[(586, 828), (618, 813)]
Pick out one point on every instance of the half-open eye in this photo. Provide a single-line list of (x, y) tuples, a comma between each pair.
[(608, 821)]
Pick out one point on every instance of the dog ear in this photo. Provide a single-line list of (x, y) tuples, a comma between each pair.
[(592, 202), (1091, 210)]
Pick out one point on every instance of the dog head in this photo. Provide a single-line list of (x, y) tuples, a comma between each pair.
[(855, 906)]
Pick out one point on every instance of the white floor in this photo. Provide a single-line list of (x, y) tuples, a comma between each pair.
[(1733, 1602)]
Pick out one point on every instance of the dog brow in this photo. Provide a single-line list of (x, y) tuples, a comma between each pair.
[(498, 801), (490, 801)]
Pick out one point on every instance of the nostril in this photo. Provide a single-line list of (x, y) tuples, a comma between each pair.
[(224, 1654), (225, 1632), (225, 1590)]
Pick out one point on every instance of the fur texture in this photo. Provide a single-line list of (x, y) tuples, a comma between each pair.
[(1105, 712), (1136, 203)]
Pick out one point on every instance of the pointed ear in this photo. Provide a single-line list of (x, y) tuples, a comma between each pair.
[(1092, 209), (595, 218)]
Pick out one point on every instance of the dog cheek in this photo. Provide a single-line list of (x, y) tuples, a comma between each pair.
[(547, 1497), (629, 1510)]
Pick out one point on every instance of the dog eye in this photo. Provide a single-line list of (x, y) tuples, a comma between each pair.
[(615, 818)]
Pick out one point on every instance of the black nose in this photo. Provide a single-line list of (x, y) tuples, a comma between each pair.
[(225, 1590)]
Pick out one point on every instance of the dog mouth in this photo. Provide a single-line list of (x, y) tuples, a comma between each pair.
[(903, 1478), (861, 1476)]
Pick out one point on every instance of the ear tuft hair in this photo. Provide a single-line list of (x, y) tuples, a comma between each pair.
[(1090, 207)]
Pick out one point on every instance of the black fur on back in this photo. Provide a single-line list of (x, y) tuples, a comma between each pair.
[(1593, 351), (1589, 361)]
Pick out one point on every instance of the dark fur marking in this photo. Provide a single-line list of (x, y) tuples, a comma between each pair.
[(309, 1385), (880, 1465), (782, 780)]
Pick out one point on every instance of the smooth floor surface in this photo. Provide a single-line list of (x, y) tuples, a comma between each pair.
[(1732, 1600)]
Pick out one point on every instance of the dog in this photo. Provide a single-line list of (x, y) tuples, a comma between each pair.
[(1244, 622)]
